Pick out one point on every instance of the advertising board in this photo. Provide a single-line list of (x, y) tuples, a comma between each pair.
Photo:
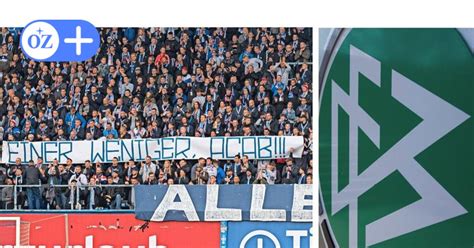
[(270, 235), (102, 230), (257, 202)]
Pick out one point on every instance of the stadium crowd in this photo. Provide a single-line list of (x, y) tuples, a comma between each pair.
[(151, 83)]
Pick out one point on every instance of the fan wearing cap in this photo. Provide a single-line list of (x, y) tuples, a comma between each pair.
[(134, 175)]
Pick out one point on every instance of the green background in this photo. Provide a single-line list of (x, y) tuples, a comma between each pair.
[(440, 61)]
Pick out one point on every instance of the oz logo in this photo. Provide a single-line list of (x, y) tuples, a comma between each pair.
[(40, 40), (59, 40), (382, 177)]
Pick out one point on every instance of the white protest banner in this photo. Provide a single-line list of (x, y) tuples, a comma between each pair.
[(169, 148)]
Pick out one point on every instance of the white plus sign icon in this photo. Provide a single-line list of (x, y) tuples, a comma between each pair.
[(78, 40)]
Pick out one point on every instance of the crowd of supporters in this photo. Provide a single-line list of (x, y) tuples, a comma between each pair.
[(151, 83)]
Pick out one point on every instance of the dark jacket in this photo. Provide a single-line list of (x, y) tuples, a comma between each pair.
[(111, 191), (33, 176), (245, 180), (97, 195), (288, 177)]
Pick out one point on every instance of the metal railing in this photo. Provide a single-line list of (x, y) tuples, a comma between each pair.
[(75, 194), (309, 63)]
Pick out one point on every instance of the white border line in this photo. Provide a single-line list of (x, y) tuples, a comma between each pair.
[(17, 228), (340, 39)]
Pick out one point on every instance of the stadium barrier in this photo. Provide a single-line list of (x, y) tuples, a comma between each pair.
[(224, 216), (75, 192), (124, 230), (255, 215), (257, 202)]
